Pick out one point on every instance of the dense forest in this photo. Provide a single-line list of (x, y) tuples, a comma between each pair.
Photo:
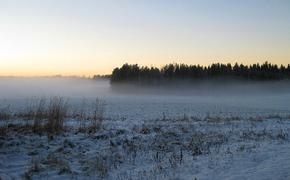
[(135, 73)]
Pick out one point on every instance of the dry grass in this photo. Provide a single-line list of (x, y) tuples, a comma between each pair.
[(98, 109), (5, 113), (39, 115), (56, 114), (82, 115), (49, 115), (166, 150), (90, 116)]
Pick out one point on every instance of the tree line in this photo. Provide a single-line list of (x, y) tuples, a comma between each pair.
[(144, 74)]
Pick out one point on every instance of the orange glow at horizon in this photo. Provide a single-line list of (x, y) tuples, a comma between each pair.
[(46, 38)]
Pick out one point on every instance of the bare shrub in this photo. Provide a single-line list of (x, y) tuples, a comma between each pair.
[(39, 114), (36, 110), (29, 111), (5, 113), (97, 116), (57, 111), (82, 115)]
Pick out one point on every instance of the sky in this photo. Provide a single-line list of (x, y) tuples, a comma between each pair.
[(87, 37)]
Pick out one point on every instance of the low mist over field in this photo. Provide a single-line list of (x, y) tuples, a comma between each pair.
[(69, 87), (177, 98), (13, 87), (76, 127)]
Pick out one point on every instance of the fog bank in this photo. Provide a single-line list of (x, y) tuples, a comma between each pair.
[(135, 102), (80, 87)]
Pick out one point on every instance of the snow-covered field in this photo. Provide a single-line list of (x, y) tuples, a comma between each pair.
[(216, 135)]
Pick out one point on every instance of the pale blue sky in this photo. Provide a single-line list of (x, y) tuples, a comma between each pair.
[(87, 37)]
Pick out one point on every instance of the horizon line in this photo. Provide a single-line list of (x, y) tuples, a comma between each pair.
[(91, 76)]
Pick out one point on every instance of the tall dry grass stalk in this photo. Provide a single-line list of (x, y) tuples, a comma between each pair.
[(5, 113), (39, 114), (56, 114), (97, 116), (82, 115)]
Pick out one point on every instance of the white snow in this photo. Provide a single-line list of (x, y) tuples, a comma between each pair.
[(149, 136)]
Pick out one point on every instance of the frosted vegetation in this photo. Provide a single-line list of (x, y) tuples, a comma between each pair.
[(72, 128)]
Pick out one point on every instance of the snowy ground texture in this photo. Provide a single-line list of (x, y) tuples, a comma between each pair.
[(224, 134), (181, 148)]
